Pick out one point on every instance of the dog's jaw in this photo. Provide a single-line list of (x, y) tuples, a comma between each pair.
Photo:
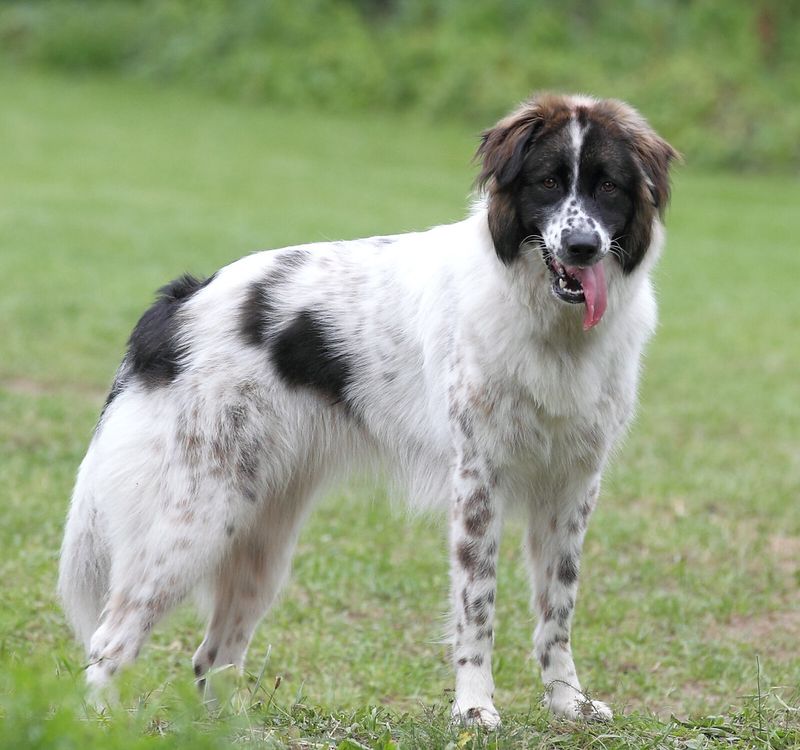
[(579, 284)]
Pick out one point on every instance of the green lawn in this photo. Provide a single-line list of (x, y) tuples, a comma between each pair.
[(691, 576)]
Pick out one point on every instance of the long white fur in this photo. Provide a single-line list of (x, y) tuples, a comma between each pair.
[(460, 332)]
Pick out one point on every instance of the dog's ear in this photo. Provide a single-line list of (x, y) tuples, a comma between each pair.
[(652, 153), (505, 226), (655, 156), (502, 154), (502, 149)]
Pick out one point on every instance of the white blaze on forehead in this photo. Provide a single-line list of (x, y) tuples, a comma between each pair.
[(572, 216), (576, 133)]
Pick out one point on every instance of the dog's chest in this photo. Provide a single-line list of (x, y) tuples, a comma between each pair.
[(564, 407)]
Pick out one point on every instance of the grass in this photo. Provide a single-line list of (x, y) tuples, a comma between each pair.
[(689, 604)]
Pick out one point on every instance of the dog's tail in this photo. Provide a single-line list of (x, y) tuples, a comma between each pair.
[(83, 574)]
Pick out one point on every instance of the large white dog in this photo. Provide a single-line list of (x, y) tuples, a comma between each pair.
[(486, 364)]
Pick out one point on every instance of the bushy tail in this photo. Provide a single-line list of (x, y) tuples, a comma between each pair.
[(84, 567)]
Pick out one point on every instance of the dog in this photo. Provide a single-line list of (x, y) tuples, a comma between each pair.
[(489, 365)]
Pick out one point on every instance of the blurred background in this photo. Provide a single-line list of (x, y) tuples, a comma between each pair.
[(719, 78)]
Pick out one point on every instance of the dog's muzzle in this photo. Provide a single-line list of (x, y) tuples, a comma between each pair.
[(576, 282)]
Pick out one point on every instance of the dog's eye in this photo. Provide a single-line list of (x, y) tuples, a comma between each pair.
[(550, 182), (608, 186)]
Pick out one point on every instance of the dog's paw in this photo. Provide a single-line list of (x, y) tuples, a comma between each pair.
[(580, 708), (477, 716), (593, 710), (101, 699)]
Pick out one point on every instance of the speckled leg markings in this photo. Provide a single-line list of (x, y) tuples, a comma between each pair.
[(246, 586), (474, 537), (133, 608), (240, 600), (554, 548)]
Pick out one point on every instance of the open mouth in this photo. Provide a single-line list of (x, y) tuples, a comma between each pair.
[(565, 286), (576, 284)]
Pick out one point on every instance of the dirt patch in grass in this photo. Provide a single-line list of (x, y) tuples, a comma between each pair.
[(786, 552), (20, 386), (774, 634)]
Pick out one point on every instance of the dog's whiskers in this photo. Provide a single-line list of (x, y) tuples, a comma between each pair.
[(533, 243), (616, 249)]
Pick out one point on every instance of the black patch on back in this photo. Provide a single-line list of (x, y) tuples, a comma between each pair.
[(257, 316), (154, 350), (303, 356)]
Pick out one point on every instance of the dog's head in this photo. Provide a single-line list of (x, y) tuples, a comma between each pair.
[(580, 179)]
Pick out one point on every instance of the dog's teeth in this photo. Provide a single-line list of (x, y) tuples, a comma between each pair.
[(562, 283)]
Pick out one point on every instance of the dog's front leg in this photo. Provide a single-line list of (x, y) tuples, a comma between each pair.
[(554, 542), (474, 539)]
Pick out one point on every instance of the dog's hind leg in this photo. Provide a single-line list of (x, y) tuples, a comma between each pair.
[(249, 581), (152, 570)]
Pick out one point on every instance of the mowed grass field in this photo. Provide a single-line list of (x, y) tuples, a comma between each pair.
[(688, 620)]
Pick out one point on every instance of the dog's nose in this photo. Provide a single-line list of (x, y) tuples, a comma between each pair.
[(581, 248)]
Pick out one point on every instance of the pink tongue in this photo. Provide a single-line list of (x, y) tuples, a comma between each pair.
[(593, 281)]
